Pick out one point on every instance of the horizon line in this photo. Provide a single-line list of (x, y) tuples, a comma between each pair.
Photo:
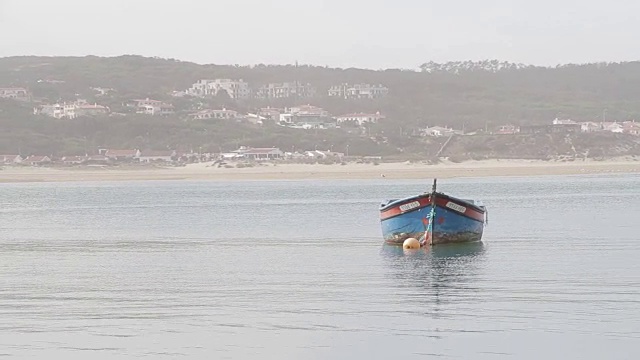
[(298, 63)]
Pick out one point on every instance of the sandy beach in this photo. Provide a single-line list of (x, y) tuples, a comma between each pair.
[(399, 170)]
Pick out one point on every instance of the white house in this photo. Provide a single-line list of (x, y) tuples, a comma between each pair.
[(360, 118), (440, 131)]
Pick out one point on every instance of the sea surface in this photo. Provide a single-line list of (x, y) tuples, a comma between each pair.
[(297, 270)]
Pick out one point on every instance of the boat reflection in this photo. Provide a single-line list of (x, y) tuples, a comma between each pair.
[(436, 275), (461, 250)]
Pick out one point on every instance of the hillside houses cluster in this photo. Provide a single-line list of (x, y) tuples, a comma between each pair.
[(306, 116), (103, 157), (358, 91), (624, 127), (556, 126), (571, 126), (301, 117), (241, 90), (135, 156)]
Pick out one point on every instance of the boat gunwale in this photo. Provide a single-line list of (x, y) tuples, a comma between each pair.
[(459, 201)]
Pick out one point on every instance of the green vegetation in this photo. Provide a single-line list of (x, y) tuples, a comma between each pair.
[(459, 95)]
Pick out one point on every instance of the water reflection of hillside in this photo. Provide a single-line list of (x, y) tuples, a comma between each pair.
[(436, 275)]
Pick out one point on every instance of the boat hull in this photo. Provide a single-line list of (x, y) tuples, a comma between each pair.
[(455, 221)]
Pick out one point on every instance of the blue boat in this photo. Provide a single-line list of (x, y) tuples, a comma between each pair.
[(432, 218)]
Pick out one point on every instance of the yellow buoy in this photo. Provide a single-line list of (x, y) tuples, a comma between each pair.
[(411, 243)]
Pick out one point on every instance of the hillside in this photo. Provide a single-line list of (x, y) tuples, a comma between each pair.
[(455, 94), (463, 95)]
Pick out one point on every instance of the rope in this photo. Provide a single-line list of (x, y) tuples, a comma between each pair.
[(430, 217)]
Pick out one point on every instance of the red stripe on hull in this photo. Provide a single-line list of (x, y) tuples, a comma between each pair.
[(422, 202)]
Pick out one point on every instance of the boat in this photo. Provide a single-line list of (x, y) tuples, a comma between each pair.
[(432, 218)]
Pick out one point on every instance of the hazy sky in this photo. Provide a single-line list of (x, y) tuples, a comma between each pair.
[(360, 33)]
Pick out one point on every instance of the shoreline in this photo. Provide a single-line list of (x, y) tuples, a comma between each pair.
[(397, 170)]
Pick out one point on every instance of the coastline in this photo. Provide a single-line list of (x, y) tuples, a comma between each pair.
[(352, 171)]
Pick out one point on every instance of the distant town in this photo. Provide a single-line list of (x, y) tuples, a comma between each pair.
[(305, 116)]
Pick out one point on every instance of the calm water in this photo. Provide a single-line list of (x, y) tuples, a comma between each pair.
[(296, 270)]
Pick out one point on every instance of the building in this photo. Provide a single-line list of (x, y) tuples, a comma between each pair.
[(438, 131), (550, 129), (254, 119), (15, 94), (360, 118), (358, 91), (270, 113), (102, 91), (307, 110), (37, 160), (631, 128), (318, 154), (90, 110), (151, 107), (614, 127), (153, 110), (148, 156), (97, 160), (223, 114), (58, 111), (53, 110), (74, 160), (590, 126), (10, 159), (121, 155), (259, 153), (507, 130), (137, 103), (71, 110), (308, 117), (285, 90), (237, 89), (557, 121)]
